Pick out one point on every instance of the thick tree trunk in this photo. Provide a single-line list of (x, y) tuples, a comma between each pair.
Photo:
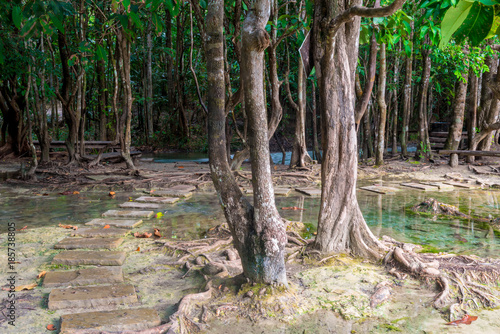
[(457, 123), (101, 99), (341, 226), (259, 232), (424, 144), (382, 106), (317, 153), (490, 115)]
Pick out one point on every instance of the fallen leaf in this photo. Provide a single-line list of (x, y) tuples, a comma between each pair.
[(26, 287), (157, 233), (138, 249), (275, 167), (180, 166), (42, 274), (159, 215), (466, 320), (292, 208), (152, 191), (143, 235), (71, 227), (22, 229), (130, 199), (51, 327), (45, 194), (112, 193), (76, 192), (106, 226)]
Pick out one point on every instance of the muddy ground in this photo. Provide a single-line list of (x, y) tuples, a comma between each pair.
[(331, 297)]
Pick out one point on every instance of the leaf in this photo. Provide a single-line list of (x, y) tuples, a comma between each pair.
[(101, 53), (26, 287), (17, 16), (69, 227), (157, 233), (51, 327), (477, 25), (143, 235), (106, 226), (57, 22), (42, 274), (494, 27), (157, 23), (159, 215), (22, 229), (138, 249), (466, 320), (452, 20), (111, 193), (137, 21), (76, 192)]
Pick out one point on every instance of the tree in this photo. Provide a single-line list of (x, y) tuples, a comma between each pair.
[(341, 226), (258, 231)]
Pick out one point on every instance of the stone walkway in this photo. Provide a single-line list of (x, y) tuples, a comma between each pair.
[(112, 304)]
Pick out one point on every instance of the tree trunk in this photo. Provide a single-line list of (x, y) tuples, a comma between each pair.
[(259, 232), (457, 123), (299, 151), (149, 85), (366, 94), (341, 226), (317, 153), (407, 106), (424, 144), (382, 106), (490, 114), (472, 108), (395, 103)]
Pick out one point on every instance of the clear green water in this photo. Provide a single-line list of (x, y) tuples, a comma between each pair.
[(385, 214)]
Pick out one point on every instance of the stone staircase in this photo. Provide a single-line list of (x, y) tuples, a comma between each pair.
[(112, 304)]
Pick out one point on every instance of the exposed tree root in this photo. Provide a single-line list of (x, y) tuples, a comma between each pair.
[(469, 280)]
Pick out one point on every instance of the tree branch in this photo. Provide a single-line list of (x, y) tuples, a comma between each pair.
[(350, 13)]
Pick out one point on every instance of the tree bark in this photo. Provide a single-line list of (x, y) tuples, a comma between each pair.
[(259, 232), (382, 106), (407, 106), (341, 226), (424, 144), (395, 103), (149, 85), (457, 123)]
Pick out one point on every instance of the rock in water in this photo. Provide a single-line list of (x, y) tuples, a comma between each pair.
[(381, 295)]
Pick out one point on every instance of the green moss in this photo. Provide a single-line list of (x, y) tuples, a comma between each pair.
[(389, 327), (429, 249)]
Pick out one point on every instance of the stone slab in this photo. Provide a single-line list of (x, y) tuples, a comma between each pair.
[(103, 258), (162, 200), (442, 186), (310, 191), (110, 321), (381, 189), (90, 276), (138, 205), (420, 186), (125, 223), (277, 191), (128, 214), (89, 243), (88, 232), (92, 296), (463, 185), (172, 193)]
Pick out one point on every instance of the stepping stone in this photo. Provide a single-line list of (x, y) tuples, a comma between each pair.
[(128, 214), (90, 276), (92, 296), (277, 191), (102, 258), (137, 205), (381, 189), (420, 186), (310, 191), (90, 243), (126, 223), (110, 321), (172, 193), (441, 186), (163, 200), (463, 185), (88, 232)]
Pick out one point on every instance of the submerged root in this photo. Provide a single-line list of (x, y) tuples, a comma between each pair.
[(466, 279)]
